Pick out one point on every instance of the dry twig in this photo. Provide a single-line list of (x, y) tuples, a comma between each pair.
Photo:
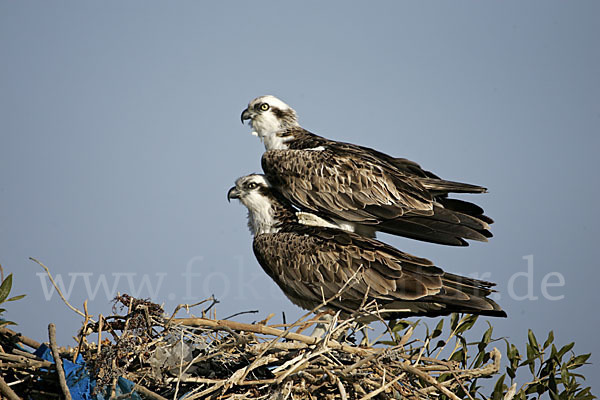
[(58, 361)]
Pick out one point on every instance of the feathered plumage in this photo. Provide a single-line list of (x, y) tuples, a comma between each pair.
[(359, 188)]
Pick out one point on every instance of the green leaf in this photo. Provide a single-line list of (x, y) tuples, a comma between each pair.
[(535, 388), (439, 344), (474, 388), (400, 326), (576, 362), (5, 288), (510, 372), (564, 350), (549, 340), (578, 375), (444, 377), (467, 323), (479, 359), (453, 321), (585, 394), (459, 355), (521, 396), (509, 352), (530, 358), (515, 357), (552, 386), (549, 367), (532, 340), (438, 329), (564, 373), (485, 340), (554, 352), (498, 392), (14, 298)]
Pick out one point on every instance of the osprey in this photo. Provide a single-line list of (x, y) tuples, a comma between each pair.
[(358, 188), (314, 263)]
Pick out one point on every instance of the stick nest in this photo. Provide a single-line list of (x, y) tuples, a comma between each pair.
[(205, 357)]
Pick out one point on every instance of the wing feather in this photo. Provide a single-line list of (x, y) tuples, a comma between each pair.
[(311, 264), (317, 189), (314, 257)]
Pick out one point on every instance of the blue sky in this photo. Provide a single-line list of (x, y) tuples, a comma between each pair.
[(120, 136)]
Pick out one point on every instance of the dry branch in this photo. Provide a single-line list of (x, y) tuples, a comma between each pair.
[(58, 360)]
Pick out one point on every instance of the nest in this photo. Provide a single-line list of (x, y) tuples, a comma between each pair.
[(165, 357), (141, 352)]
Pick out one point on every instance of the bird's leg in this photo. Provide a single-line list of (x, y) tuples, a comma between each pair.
[(322, 327), (365, 331)]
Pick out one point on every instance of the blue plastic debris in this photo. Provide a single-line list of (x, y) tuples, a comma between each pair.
[(78, 379)]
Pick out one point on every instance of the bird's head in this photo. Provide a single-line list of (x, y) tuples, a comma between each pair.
[(254, 192), (250, 189), (268, 115)]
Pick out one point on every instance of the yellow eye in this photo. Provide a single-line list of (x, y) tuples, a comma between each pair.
[(264, 106)]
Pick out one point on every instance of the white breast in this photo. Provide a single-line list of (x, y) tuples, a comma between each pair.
[(260, 214)]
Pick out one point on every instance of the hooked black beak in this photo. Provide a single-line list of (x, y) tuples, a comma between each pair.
[(245, 115), (233, 193)]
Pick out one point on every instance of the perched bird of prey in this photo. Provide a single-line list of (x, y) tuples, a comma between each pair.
[(360, 189), (313, 263)]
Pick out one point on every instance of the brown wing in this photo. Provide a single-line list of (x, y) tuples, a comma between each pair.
[(345, 186), (436, 185), (300, 139), (311, 264), (364, 186)]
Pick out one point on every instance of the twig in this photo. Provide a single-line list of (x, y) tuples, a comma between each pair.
[(26, 361), (382, 388), (26, 354), (425, 346), (342, 389), (21, 338), (487, 370), (427, 378), (362, 361), (100, 324), (113, 386), (267, 330), (7, 391), (241, 313), (187, 307), (457, 379), (56, 287), (195, 379), (81, 333), (264, 321), (214, 302), (58, 361), (180, 367)]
